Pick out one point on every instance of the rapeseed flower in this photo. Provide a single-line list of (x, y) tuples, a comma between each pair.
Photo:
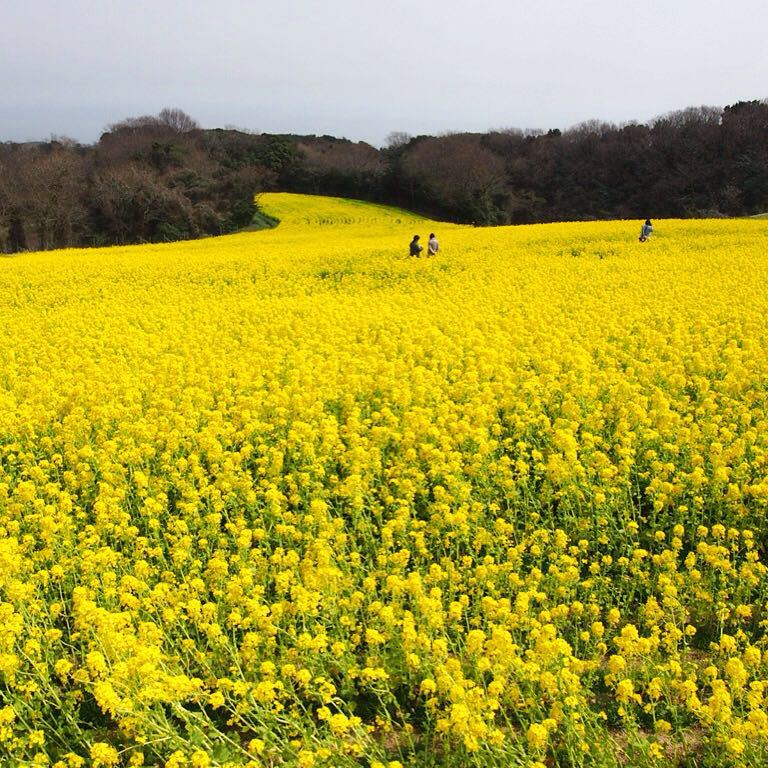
[(290, 498)]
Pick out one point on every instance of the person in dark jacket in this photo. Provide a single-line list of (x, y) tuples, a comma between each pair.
[(416, 247)]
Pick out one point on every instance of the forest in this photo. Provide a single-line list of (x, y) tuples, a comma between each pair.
[(164, 178)]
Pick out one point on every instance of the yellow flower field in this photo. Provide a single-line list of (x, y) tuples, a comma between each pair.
[(290, 498)]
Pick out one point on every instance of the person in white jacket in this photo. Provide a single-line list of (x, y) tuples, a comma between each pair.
[(432, 246)]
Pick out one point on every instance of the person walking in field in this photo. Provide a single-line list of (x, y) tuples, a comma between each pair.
[(646, 230), (432, 245), (416, 247)]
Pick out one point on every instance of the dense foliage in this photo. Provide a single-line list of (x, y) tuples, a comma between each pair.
[(290, 498), (144, 181), (694, 163), (160, 179)]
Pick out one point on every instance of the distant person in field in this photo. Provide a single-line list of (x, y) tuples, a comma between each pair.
[(646, 230), (432, 245), (416, 246)]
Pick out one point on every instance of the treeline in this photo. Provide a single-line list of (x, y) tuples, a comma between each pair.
[(702, 161), (147, 179), (162, 178)]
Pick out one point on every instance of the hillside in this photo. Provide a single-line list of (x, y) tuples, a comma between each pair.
[(156, 179)]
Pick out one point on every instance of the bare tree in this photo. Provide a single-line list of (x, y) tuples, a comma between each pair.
[(135, 207), (696, 116), (589, 130), (134, 124), (52, 184), (459, 172), (398, 139), (346, 157), (177, 120), (5, 209)]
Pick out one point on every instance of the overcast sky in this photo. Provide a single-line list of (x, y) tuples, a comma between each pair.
[(364, 68)]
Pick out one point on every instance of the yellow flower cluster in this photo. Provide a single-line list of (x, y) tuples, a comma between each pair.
[(293, 498)]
